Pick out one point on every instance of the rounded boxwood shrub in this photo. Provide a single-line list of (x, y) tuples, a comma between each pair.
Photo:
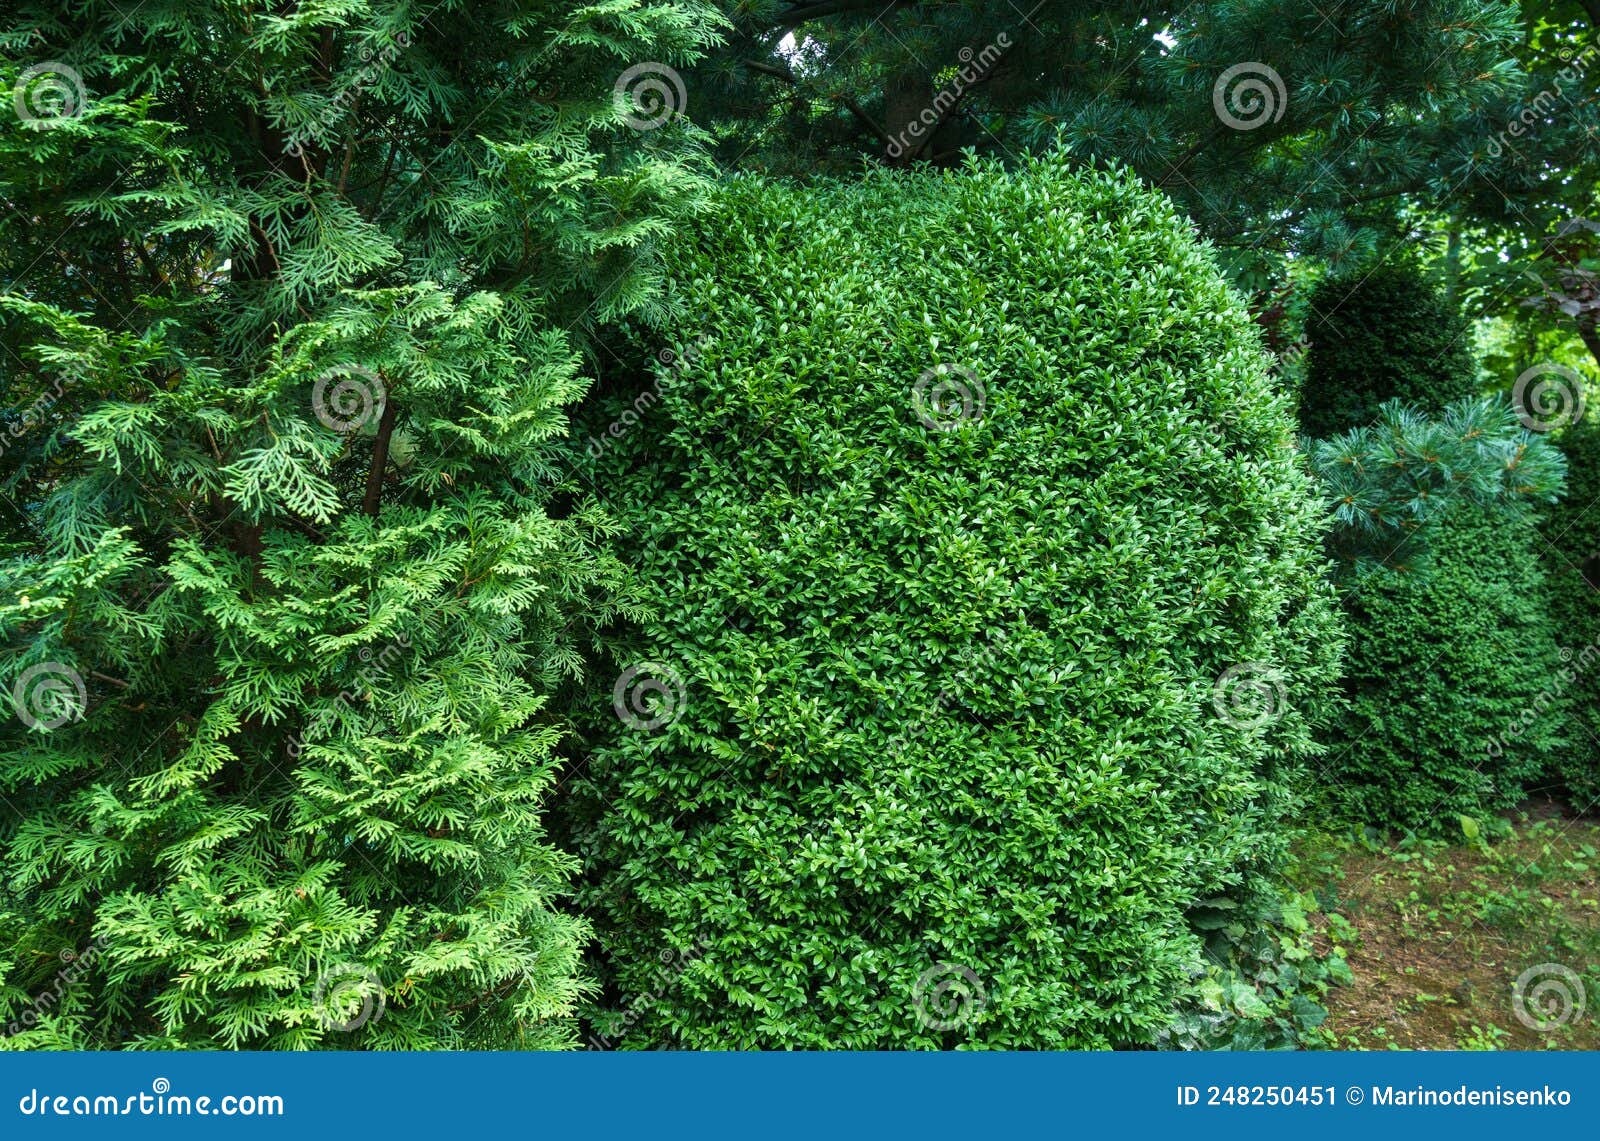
[(987, 623), (1377, 334), (1455, 704), (1571, 556)]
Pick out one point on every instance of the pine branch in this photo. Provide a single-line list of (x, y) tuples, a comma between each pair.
[(850, 104)]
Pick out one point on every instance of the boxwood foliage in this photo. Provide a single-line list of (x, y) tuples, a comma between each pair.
[(1571, 556), (926, 745), (1381, 333), (1452, 675)]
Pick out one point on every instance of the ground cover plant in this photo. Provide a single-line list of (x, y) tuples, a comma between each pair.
[(1452, 942)]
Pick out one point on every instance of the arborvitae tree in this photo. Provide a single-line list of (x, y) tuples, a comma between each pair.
[(1452, 678), (293, 298), (1445, 653), (1380, 333)]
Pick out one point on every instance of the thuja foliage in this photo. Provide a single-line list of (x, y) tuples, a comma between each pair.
[(1381, 333), (975, 487), (290, 287), (1571, 556)]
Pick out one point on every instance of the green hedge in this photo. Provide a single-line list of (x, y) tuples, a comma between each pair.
[(1571, 556), (1441, 666), (1377, 334), (971, 489)]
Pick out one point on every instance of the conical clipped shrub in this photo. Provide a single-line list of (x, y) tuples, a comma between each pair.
[(989, 623), (1441, 665), (1381, 333), (1571, 556), (1445, 652)]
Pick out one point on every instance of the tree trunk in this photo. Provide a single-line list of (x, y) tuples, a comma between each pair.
[(1452, 264), (373, 501), (906, 99), (1590, 335)]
